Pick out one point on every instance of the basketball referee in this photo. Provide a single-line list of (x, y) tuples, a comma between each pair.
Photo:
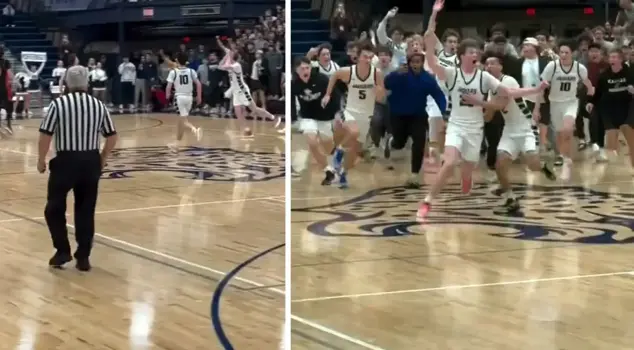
[(75, 121)]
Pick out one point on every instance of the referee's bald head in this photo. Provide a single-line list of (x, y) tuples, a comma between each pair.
[(77, 78)]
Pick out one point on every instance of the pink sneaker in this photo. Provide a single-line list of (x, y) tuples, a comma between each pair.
[(423, 210)]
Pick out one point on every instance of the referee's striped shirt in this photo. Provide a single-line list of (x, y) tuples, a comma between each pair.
[(76, 120)]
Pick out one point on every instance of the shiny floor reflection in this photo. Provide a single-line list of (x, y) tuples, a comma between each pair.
[(170, 228), (366, 275)]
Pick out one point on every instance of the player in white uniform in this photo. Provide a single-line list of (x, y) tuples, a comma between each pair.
[(564, 75), (365, 87), (446, 53), (517, 136), (324, 61), (467, 88), (239, 90), (183, 80)]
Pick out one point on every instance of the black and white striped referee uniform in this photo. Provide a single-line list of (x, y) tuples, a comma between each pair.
[(75, 123)]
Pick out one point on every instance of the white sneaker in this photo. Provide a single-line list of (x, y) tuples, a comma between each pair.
[(491, 177), (602, 156), (595, 148), (565, 172)]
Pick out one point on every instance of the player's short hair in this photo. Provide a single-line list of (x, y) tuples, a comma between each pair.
[(450, 32), (492, 54), (324, 46), (301, 60), (466, 44), (567, 43), (364, 46), (181, 58)]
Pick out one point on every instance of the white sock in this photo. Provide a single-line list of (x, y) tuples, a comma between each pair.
[(427, 199)]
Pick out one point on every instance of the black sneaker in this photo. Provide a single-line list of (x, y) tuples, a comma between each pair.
[(83, 264), (559, 161), (498, 191), (510, 206), (59, 259), (412, 183), (548, 172), (330, 176)]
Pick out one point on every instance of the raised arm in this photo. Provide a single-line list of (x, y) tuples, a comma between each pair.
[(431, 58), (222, 46), (381, 31)]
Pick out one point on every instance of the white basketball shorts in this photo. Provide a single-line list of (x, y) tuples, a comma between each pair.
[(184, 104), (323, 128), (467, 142), (363, 123), (432, 108), (242, 97), (516, 143), (559, 111)]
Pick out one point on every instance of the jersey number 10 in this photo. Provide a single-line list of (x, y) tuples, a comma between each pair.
[(184, 79), (565, 86)]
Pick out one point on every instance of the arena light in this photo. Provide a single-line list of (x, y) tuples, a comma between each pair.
[(588, 11), (530, 12)]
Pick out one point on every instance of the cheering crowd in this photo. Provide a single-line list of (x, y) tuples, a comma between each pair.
[(457, 99)]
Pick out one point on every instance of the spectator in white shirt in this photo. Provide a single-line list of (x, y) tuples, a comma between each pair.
[(127, 73)]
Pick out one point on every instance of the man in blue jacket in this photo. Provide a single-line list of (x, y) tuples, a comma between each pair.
[(409, 88)]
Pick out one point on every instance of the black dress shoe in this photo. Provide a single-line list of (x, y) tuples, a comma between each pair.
[(82, 264), (59, 259)]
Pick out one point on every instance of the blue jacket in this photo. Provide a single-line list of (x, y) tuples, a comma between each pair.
[(409, 91)]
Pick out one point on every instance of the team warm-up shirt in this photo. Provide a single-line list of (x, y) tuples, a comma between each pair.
[(564, 83), (611, 95), (183, 79), (478, 83), (309, 95)]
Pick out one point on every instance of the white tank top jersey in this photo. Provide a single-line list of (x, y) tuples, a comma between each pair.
[(361, 94), (183, 79), (517, 115), (563, 83), (447, 60), (479, 83), (329, 70), (236, 78)]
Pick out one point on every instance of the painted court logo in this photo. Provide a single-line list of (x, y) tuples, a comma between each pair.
[(213, 164), (550, 214)]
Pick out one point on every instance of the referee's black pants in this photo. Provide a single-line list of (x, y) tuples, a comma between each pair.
[(492, 134), (80, 172), (414, 126)]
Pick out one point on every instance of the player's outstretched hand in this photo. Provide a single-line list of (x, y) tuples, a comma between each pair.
[(325, 100), (544, 85), (438, 5)]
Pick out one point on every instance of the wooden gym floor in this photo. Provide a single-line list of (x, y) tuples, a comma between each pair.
[(365, 275), (189, 252)]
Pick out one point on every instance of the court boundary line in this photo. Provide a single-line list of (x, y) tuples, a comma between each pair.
[(180, 205), (466, 286), (335, 333)]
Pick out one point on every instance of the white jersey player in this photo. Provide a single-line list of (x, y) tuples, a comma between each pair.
[(239, 91), (183, 79), (564, 76), (365, 87), (324, 62), (467, 87), (446, 53), (517, 137)]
